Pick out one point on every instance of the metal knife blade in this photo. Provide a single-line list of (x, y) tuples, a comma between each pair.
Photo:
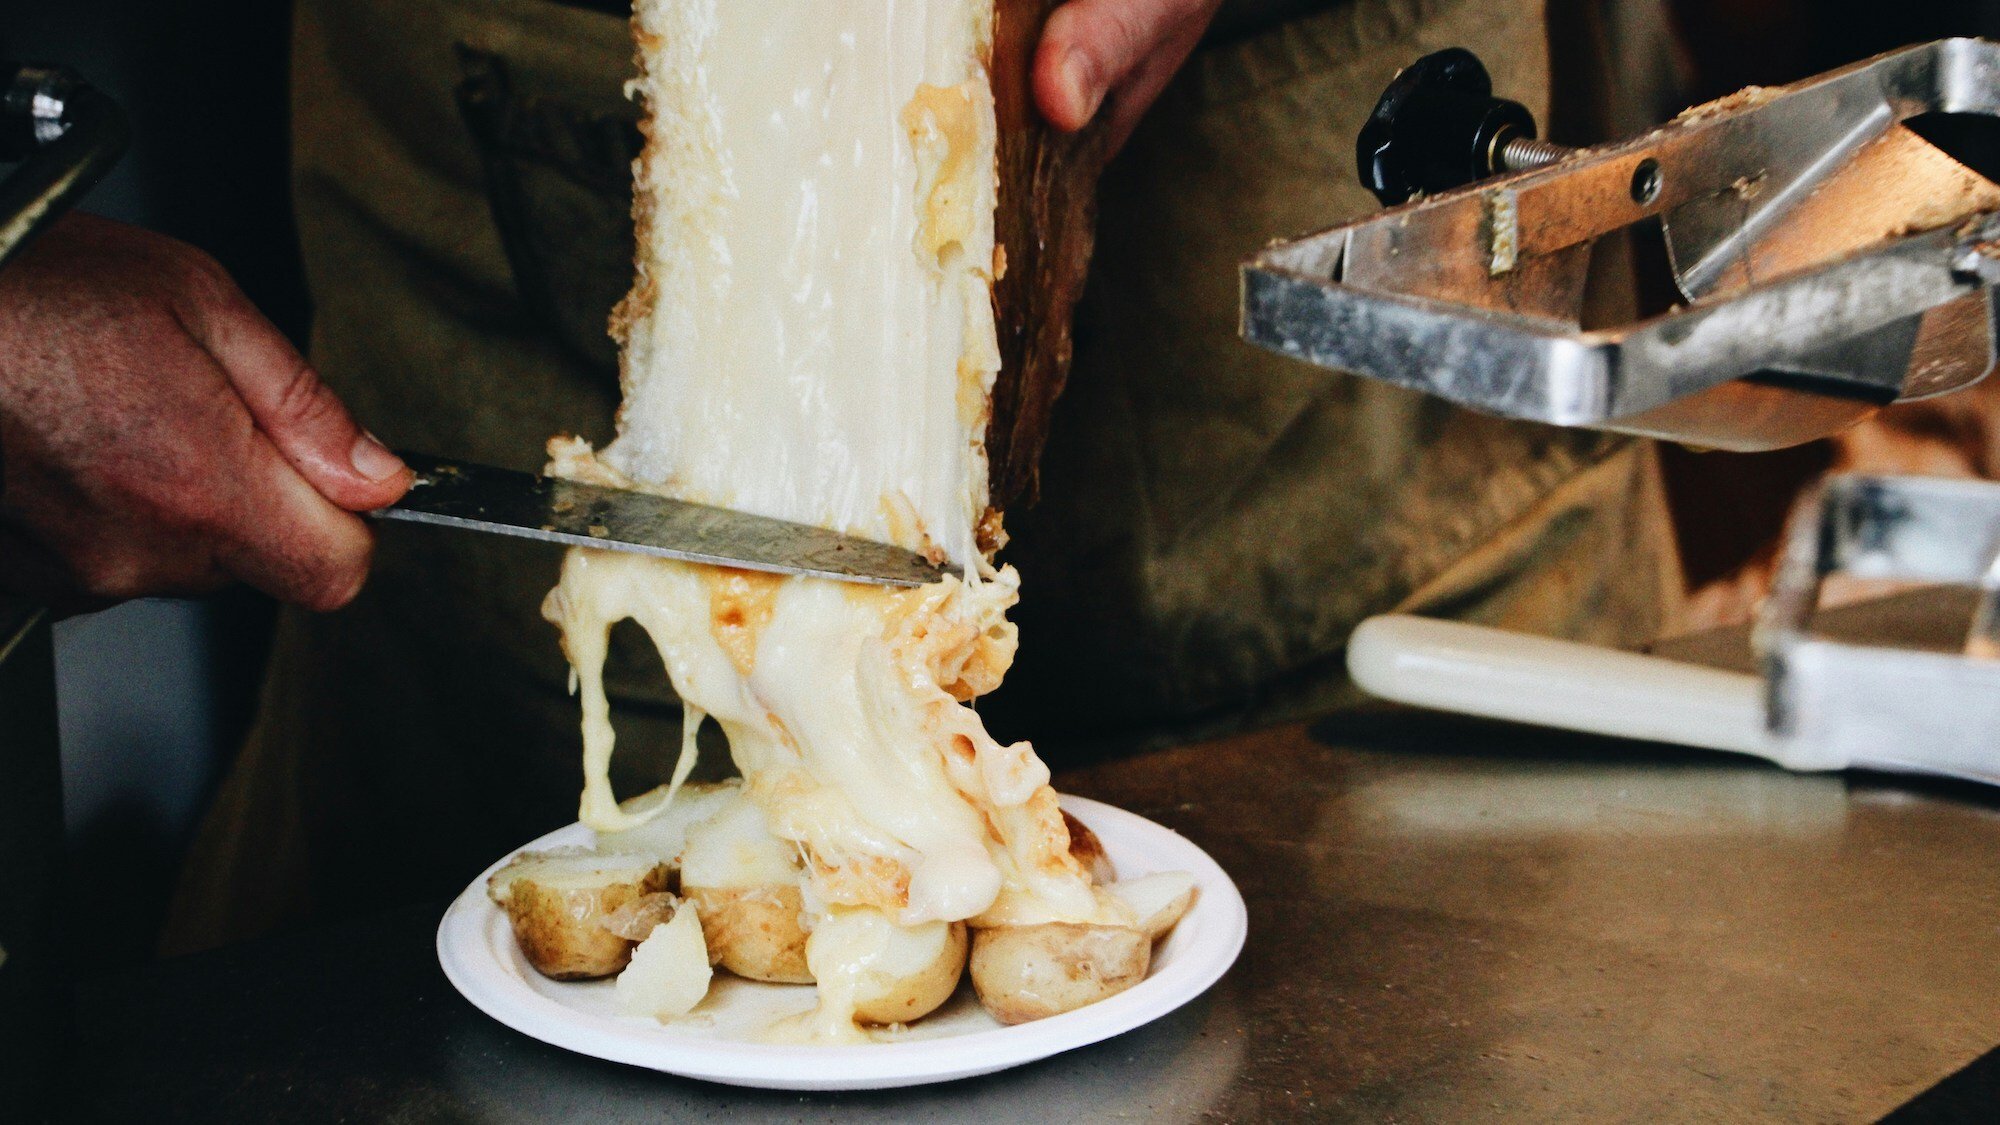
[(505, 502)]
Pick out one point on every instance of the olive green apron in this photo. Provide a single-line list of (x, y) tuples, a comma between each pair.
[(1214, 519)]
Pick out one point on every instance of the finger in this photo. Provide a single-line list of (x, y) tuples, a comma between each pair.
[(284, 538), (1130, 101), (1091, 47), (304, 419)]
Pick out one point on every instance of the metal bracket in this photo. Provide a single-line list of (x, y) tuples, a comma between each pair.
[(1832, 261), (1839, 701)]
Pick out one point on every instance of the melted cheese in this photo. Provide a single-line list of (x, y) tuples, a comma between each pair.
[(854, 955), (811, 337), (850, 729)]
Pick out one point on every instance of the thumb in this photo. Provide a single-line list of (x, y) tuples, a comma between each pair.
[(1091, 47), (302, 416), (284, 538)]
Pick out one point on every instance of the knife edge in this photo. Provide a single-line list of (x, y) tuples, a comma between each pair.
[(491, 500)]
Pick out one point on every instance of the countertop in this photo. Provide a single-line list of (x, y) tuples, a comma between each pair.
[(1449, 920)]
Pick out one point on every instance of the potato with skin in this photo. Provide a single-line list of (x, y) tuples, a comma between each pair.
[(1158, 900), (1088, 850), (559, 900), (870, 970), (1031, 972), (745, 881), (664, 834), (754, 932), (915, 995)]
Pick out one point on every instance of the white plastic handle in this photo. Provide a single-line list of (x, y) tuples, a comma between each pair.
[(1474, 670)]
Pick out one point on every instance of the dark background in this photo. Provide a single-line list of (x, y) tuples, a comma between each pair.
[(1736, 43)]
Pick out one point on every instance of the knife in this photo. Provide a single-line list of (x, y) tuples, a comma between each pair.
[(505, 502)]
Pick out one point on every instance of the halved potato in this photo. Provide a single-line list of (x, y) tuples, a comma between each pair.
[(746, 883), (1157, 901), (1088, 850), (558, 901), (1032, 972), (734, 847), (900, 997), (755, 932), (665, 835), (669, 972), (875, 971)]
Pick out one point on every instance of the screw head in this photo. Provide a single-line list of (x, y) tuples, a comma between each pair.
[(1647, 179)]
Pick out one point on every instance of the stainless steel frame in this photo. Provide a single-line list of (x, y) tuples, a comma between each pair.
[(1476, 295), (1832, 702)]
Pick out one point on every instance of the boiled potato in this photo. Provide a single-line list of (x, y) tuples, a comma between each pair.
[(669, 972), (754, 932), (1157, 901), (558, 901), (746, 883), (634, 921), (885, 972), (1031, 972), (665, 835), (893, 997), (1088, 850)]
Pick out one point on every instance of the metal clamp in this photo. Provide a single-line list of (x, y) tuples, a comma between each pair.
[(1814, 295)]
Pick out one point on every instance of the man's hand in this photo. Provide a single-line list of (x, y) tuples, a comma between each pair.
[(159, 436), (1117, 54)]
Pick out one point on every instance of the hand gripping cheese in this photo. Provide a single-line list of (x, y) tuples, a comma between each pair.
[(829, 198)]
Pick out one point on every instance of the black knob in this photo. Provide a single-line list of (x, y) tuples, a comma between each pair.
[(1437, 127)]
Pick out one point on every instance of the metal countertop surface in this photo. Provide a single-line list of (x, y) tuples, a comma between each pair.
[(1449, 920)]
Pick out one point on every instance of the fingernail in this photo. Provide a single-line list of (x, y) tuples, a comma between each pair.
[(372, 459), (1078, 73)]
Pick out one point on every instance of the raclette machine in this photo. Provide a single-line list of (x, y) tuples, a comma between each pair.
[(1827, 259)]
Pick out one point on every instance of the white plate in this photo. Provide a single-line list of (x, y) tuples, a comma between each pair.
[(718, 1042)]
